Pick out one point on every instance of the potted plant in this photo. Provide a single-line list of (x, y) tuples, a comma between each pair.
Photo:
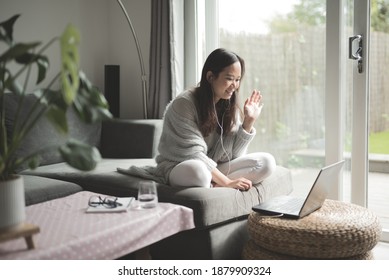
[(75, 91)]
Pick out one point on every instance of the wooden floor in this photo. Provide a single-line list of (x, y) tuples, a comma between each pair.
[(378, 190), (381, 251), (378, 196)]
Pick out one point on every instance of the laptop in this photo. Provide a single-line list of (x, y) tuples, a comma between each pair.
[(298, 207)]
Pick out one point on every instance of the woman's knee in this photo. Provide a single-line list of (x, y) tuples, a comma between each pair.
[(255, 167), (258, 161), (262, 166), (190, 173), (268, 164)]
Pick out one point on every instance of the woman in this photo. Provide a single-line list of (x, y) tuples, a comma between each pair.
[(204, 141)]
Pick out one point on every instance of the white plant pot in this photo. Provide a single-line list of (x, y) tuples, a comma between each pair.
[(12, 203)]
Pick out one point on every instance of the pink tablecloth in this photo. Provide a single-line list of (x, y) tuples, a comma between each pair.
[(67, 232)]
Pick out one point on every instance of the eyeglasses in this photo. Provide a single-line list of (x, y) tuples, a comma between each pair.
[(108, 202)]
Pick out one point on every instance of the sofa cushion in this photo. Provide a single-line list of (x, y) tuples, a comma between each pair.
[(39, 189), (44, 134), (211, 206), (130, 138), (90, 179)]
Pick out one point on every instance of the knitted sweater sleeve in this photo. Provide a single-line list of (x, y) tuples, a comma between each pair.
[(241, 141)]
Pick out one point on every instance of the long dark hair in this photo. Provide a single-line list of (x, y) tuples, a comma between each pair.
[(226, 109)]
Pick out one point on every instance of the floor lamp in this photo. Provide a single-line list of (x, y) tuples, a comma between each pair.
[(142, 66)]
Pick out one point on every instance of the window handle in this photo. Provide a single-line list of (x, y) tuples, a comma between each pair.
[(358, 54)]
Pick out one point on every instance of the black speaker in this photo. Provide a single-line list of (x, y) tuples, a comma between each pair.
[(112, 88)]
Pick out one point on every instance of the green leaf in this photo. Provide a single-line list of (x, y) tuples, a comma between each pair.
[(34, 162), (80, 155), (43, 64), (41, 61), (13, 85), (6, 30), (90, 104), (17, 50), (51, 97), (57, 117), (70, 40), (56, 112)]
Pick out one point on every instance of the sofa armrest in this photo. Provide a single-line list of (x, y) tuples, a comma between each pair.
[(130, 138)]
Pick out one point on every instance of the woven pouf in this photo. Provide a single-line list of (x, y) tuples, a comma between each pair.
[(252, 251), (338, 230)]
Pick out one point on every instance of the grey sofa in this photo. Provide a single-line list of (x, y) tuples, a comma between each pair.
[(220, 214)]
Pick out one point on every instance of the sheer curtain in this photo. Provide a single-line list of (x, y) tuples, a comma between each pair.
[(166, 54)]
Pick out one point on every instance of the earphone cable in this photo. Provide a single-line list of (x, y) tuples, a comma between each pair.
[(221, 137)]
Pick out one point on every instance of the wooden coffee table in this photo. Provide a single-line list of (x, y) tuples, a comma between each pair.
[(67, 232)]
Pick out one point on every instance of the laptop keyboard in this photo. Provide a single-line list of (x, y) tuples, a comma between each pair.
[(292, 205)]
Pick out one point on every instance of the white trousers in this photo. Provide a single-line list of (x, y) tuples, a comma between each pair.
[(254, 167)]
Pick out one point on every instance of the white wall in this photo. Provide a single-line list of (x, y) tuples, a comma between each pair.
[(105, 38), (123, 52)]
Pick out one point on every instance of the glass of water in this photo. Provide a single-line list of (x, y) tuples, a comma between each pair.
[(147, 194)]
